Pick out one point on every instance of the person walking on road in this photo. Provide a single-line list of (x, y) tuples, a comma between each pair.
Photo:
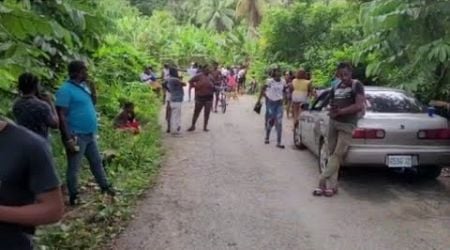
[(78, 125), (204, 95), (192, 71), (302, 90), (175, 86), (273, 91), (347, 106)]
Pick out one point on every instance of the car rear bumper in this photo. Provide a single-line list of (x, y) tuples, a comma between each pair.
[(376, 155)]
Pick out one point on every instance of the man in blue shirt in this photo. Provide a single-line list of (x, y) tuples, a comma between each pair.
[(78, 125)]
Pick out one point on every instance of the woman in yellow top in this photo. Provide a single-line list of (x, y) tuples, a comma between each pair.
[(302, 89)]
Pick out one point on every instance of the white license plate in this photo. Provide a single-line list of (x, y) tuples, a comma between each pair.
[(399, 161)]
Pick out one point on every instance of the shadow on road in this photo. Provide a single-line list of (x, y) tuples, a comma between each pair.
[(381, 185)]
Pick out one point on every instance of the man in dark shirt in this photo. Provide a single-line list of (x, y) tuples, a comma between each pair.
[(204, 95), (35, 113), (217, 80), (347, 106), (30, 193)]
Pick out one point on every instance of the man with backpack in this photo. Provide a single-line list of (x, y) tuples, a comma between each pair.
[(347, 106)]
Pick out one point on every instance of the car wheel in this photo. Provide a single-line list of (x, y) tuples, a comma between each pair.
[(429, 172), (298, 137), (323, 156)]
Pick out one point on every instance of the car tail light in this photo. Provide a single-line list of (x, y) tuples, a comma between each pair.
[(434, 134), (368, 133)]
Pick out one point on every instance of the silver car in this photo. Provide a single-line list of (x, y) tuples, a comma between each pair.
[(396, 132)]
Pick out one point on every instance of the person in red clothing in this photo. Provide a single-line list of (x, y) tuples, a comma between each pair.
[(126, 120)]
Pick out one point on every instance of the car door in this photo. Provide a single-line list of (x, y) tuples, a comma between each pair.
[(313, 118)]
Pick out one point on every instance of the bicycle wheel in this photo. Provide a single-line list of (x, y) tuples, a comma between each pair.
[(224, 104)]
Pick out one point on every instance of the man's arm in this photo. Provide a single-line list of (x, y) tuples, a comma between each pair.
[(63, 127), (49, 208), (52, 116), (262, 94)]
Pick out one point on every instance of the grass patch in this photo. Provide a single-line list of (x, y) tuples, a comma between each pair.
[(96, 223)]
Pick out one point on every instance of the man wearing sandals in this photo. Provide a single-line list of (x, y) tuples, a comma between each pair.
[(347, 105)]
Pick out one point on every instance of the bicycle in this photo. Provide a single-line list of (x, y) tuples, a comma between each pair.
[(223, 98)]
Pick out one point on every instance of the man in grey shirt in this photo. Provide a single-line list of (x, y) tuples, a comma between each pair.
[(175, 87), (30, 193)]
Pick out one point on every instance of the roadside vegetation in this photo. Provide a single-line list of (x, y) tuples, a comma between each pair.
[(405, 44)]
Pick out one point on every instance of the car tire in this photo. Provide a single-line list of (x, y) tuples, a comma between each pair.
[(298, 137), (323, 156), (429, 172)]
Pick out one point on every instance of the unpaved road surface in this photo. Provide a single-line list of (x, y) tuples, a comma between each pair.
[(227, 190)]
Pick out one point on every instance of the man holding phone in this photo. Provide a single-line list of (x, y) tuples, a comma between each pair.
[(75, 103)]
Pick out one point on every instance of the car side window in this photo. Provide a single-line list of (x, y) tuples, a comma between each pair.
[(321, 101)]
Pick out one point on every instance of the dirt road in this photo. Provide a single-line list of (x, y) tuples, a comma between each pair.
[(227, 190)]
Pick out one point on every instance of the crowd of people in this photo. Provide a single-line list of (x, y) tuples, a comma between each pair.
[(208, 83), (347, 106), (30, 192)]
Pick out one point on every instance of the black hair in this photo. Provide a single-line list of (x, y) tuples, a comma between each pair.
[(127, 105), (75, 67), (173, 72), (345, 65), (28, 83)]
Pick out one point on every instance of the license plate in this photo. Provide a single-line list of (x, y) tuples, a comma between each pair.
[(399, 161)]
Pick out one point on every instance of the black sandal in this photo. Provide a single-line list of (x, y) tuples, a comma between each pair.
[(281, 146)]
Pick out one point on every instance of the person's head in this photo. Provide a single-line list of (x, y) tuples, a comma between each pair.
[(128, 107), (28, 84), (78, 71), (194, 65), (173, 72), (345, 72), (205, 69), (148, 70), (276, 73), (288, 75), (166, 66), (215, 65), (301, 74)]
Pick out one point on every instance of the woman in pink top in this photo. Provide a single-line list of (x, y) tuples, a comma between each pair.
[(232, 84)]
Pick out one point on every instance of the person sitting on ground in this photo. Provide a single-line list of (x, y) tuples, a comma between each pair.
[(148, 76), (126, 119), (30, 193), (33, 110)]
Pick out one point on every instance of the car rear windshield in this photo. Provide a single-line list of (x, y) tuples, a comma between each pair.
[(392, 102)]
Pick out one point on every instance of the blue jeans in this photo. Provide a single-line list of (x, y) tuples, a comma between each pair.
[(274, 117), (88, 147)]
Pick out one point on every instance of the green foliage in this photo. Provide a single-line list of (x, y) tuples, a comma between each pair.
[(410, 43)]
